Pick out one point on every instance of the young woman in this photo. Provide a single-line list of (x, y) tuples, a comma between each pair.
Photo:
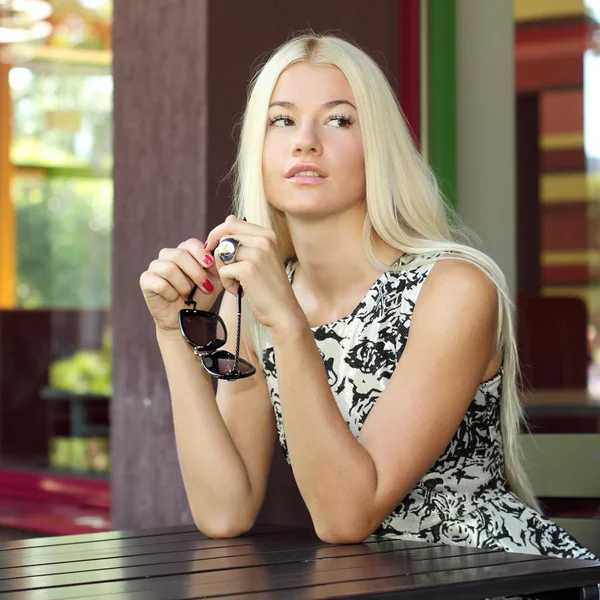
[(383, 343)]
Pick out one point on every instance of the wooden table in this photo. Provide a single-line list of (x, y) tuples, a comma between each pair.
[(179, 563)]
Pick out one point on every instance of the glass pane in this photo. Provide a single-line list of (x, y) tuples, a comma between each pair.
[(68, 222), (55, 276), (62, 117)]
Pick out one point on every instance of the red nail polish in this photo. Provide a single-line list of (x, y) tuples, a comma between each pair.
[(205, 244), (208, 259), (207, 285)]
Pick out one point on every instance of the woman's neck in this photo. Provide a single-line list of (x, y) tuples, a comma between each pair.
[(332, 263)]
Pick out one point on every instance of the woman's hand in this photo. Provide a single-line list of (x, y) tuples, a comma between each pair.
[(258, 268), (169, 279)]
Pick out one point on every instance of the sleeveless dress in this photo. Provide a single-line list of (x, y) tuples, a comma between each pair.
[(464, 498)]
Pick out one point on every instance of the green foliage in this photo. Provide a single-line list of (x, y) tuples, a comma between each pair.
[(64, 242), (87, 371)]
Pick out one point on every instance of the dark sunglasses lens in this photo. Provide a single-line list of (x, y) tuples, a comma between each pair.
[(202, 329), (221, 364)]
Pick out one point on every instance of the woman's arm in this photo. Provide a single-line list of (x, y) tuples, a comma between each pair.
[(350, 486), (224, 446)]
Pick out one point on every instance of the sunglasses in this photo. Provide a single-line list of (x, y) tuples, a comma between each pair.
[(205, 332)]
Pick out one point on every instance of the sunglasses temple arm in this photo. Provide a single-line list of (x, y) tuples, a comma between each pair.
[(239, 325), (190, 299), (239, 328)]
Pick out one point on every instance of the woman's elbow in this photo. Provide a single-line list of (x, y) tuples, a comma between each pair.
[(342, 534), (223, 527)]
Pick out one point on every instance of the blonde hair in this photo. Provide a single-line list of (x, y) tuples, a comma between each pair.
[(404, 204)]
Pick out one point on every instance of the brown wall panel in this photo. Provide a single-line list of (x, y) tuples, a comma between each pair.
[(565, 226), (561, 111), (239, 49), (564, 160), (181, 68), (537, 32), (531, 75), (567, 275), (572, 47)]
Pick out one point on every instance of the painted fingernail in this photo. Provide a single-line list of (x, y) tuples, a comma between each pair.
[(205, 244), (207, 285), (208, 259)]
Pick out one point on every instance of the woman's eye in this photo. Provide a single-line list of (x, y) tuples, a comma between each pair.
[(281, 121), (341, 120)]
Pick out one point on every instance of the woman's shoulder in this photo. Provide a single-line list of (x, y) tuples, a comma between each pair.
[(453, 274), (445, 274), (459, 289), (449, 264)]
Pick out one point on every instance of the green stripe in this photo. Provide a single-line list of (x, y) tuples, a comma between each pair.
[(65, 172), (442, 95)]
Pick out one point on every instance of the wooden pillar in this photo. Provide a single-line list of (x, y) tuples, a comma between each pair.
[(181, 68), (529, 210)]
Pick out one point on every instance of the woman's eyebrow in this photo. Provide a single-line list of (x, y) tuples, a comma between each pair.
[(327, 105)]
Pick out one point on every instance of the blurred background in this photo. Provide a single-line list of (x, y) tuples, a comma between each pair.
[(503, 98)]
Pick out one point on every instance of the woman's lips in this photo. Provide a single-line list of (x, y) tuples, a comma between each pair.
[(305, 169), (306, 176), (306, 179)]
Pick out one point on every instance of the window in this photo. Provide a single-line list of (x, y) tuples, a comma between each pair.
[(55, 274)]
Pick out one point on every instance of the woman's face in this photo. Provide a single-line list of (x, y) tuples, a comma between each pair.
[(313, 128)]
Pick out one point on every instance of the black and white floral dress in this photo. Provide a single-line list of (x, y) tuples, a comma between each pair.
[(464, 498)]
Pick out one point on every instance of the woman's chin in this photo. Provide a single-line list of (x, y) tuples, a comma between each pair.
[(306, 210), (310, 205)]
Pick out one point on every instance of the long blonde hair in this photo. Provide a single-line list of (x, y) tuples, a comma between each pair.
[(404, 204)]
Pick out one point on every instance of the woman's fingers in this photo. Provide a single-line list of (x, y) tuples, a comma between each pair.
[(171, 272), (260, 246), (233, 227), (203, 257), (171, 278), (253, 254), (183, 271), (155, 285)]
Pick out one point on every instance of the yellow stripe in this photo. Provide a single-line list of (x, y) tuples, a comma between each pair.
[(570, 187), (7, 217), (571, 258), (73, 56), (532, 10), (562, 141)]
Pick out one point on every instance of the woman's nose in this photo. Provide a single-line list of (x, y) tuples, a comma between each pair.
[(307, 141)]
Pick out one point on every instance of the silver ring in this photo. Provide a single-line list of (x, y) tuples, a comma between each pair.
[(227, 249)]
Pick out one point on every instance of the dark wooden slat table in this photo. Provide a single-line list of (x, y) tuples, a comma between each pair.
[(179, 563)]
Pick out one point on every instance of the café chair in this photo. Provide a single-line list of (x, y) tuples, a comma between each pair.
[(553, 342)]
